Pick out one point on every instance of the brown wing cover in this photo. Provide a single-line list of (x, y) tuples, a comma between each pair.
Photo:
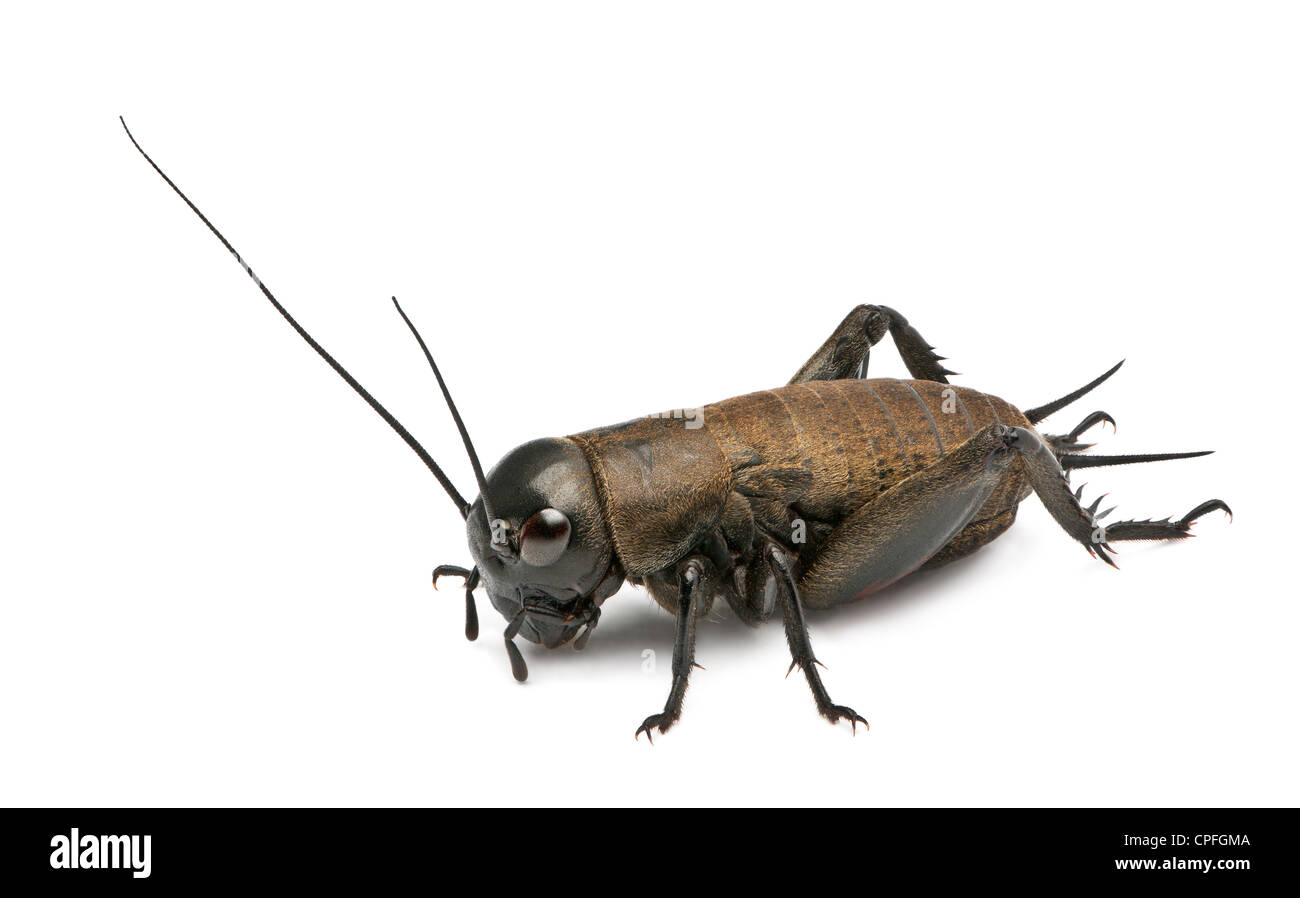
[(816, 450), (857, 438)]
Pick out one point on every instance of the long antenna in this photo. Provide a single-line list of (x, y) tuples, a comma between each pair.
[(461, 505), (455, 414)]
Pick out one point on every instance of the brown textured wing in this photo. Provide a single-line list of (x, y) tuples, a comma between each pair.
[(817, 451)]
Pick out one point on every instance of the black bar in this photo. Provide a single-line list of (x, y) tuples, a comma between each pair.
[(373, 848)]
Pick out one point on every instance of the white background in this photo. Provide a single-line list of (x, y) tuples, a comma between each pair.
[(216, 559)]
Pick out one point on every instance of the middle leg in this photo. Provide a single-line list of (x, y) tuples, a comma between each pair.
[(796, 636), (886, 539)]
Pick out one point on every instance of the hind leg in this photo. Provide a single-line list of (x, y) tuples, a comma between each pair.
[(846, 352), (911, 523), (975, 535), (1050, 483)]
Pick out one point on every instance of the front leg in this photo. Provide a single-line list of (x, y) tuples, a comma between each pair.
[(796, 636), (691, 586), (846, 352)]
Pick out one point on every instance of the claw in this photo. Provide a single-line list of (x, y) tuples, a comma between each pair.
[(836, 713), (651, 723), (1205, 508), (1090, 422)]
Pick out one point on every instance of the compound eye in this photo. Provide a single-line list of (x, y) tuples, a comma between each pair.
[(544, 537)]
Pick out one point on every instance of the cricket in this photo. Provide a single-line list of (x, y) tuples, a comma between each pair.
[(810, 495)]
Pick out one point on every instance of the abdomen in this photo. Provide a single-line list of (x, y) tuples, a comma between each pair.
[(860, 437)]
